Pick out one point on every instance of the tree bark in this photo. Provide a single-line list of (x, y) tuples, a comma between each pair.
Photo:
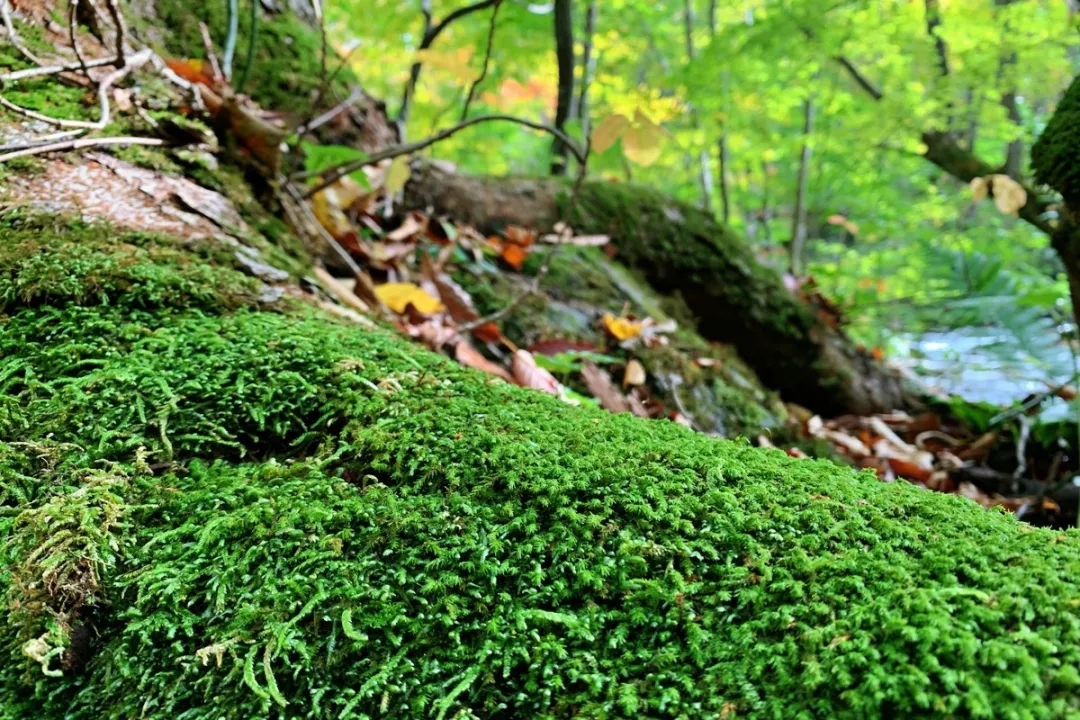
[(564, 52), (799, 230), (793, 346)]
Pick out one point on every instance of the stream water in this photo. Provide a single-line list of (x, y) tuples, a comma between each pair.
[(965, 362)]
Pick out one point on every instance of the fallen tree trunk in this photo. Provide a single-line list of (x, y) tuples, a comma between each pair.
[(680, 249)]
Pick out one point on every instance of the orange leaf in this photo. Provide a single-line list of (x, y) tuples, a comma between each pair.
[(908, 470), (468, 356), (514, 256), (194, 71), (878, 353)]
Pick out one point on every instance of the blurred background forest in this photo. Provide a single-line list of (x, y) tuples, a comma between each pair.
[(798, 123)]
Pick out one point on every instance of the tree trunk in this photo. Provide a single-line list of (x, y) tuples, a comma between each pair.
[(1055, 157), (680, 249), (564, 53)]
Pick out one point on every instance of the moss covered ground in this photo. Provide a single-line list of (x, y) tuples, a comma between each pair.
[(211, 509)]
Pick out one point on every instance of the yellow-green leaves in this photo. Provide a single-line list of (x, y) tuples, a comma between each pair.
[(641, 139), (455, 62)]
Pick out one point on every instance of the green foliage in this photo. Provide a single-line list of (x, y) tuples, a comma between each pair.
[(345, 525)]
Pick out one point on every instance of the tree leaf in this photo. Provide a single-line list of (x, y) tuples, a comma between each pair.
[(608, 131), (530, 375), (979, 189), (398, 296), (621, 328), (642, 144), (397, 175)]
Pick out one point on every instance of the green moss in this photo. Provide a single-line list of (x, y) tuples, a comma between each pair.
[(54, 261), (286, 70), (1055, 156), (456, 545)]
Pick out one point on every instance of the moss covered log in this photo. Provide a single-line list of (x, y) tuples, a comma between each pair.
[(725, 398), (680, 249), (213, 509)]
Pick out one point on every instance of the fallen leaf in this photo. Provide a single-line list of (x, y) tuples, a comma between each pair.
[(909, 470), (707, 362), (528, 374), (621, 328), (608, 131), (414, 224), (635, 373), (339, 289), (397, 175), (514, 256), (123, 99), (602, 388), (398, 296), (519, 235), (469, 356)]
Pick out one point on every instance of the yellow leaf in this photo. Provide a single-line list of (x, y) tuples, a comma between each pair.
[(642, 144), (398, 296), (397, 175), (608, 131), (1009, 195), (621, 328), (979, 187)]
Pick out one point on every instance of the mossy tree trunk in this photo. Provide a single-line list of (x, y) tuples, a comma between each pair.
[(680, 249), (1056, 160)]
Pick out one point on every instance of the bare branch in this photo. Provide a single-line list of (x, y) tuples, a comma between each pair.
[(9, 25), (332, 175), (859, 78), (79, 144), (431, 33), (55, 69), (487, 60), (121, 30)]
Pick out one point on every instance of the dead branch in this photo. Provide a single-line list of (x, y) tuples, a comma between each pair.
[(121, 31), (55, 69), (333, 174), (9, 25), (487, 60), (73, 36), (79, 144)]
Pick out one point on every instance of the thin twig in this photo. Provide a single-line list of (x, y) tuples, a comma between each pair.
[(79, 144), (332, 113), (332, 175), (55, 69), (133, 63), (431, 33), (73, 36), (41, 140), (58, 122), (9, 25), (211, 56), (487, 60), (121, 31)]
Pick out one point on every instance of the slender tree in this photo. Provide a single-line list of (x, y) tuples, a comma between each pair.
[(564, 52)]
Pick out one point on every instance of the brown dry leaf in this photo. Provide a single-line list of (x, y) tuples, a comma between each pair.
[(602, 388), (519, 235), (434, 334), (635, 374), (528, 374), (414, 224), (707, 362), (468, 356), (399, 295), (1009, 195), (636, 406), (383, 255), (1067, 393), (621, 328)]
